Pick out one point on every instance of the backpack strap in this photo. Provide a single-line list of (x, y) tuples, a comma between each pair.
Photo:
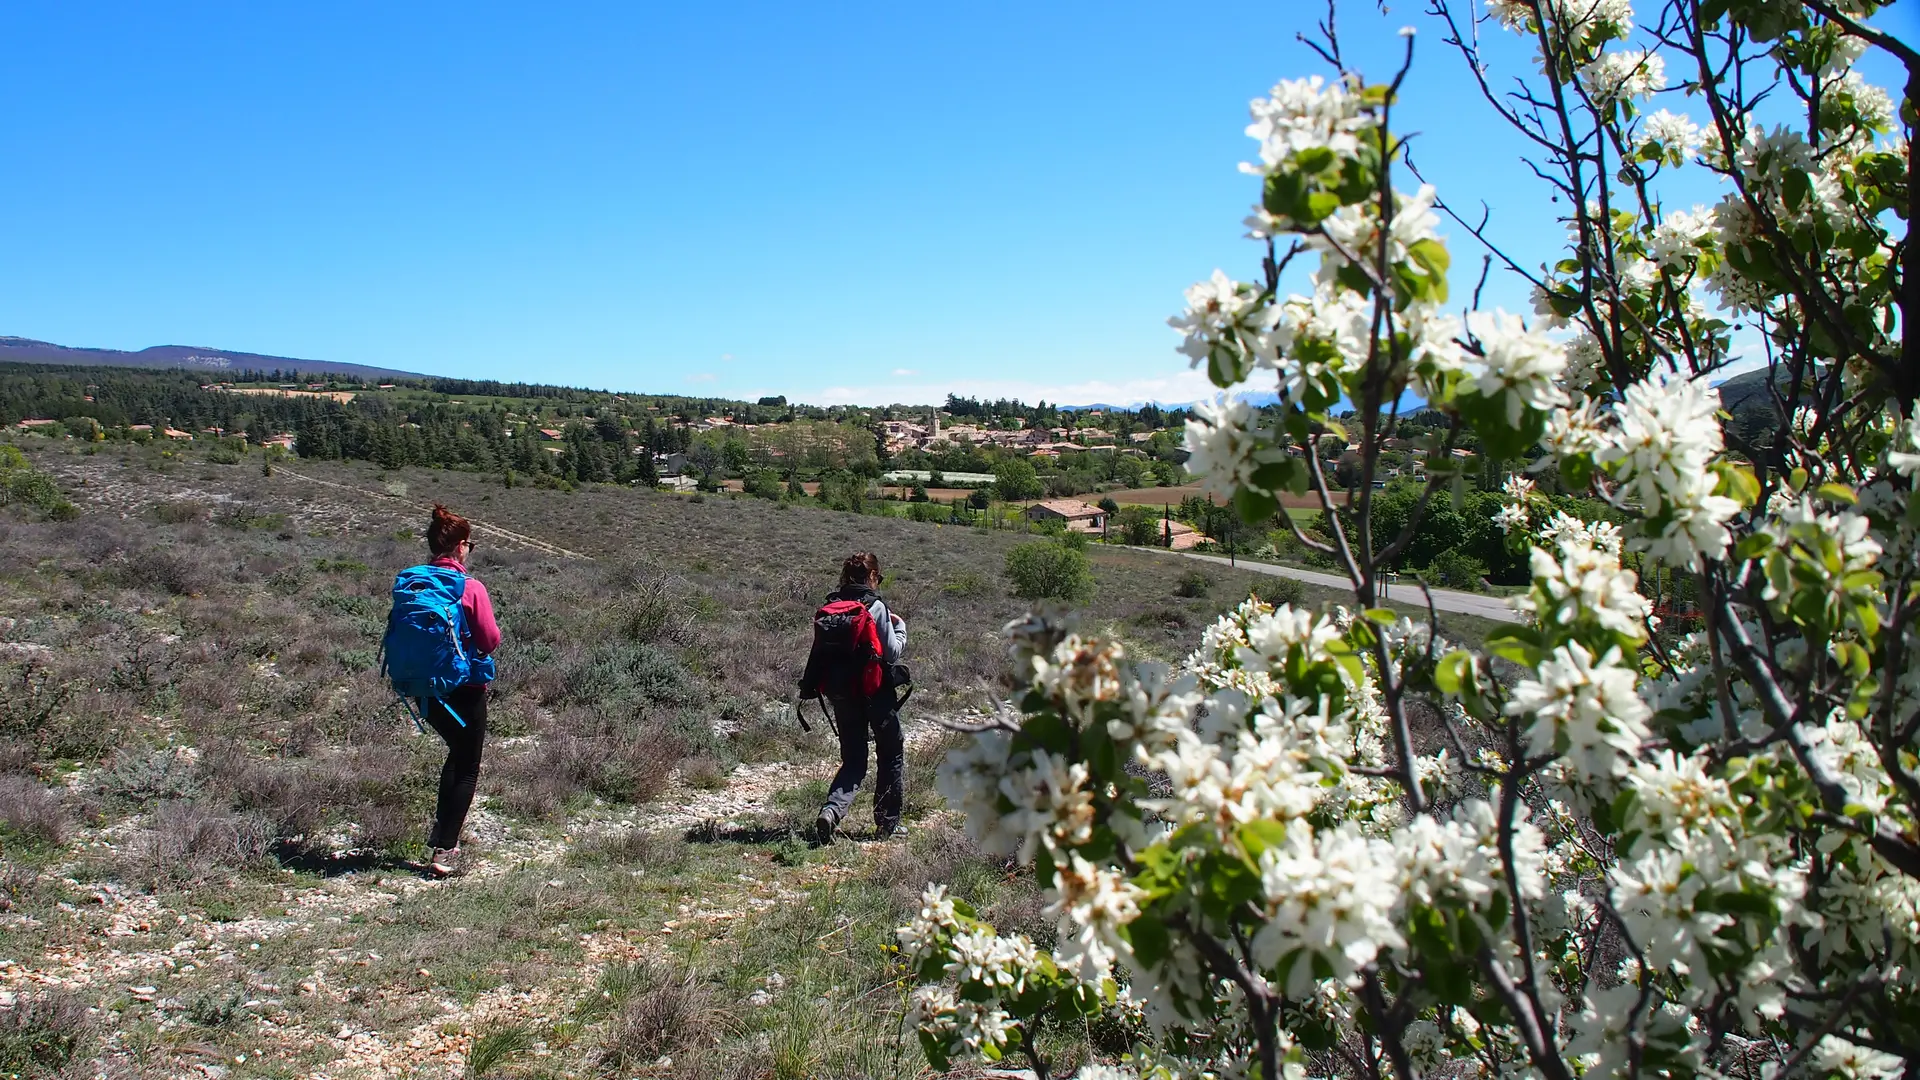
[(457, 718)]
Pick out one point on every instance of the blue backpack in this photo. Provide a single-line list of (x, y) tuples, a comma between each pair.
[(424, 651)]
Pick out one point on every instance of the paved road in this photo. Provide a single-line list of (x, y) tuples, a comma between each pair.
[(1407, 592)]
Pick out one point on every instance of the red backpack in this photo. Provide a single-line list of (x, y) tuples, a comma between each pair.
[(845, 659)]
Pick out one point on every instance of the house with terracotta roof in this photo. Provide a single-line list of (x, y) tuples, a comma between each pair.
[(176, 433), (1072, 513)]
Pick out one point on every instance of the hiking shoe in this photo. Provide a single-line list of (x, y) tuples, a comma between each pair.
[(823, 827), (895, 831), (445, 862)]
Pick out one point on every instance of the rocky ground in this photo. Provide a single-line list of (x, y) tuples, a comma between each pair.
[(285, 975)]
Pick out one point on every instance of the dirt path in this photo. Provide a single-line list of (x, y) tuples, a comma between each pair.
[(520, 538)]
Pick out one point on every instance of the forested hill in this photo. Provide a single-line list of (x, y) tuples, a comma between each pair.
[(539, 431), (19, 350)]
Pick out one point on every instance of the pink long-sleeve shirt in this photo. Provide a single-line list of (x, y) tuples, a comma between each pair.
[(482, 632)]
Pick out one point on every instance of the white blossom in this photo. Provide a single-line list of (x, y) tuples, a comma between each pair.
[(933, 921), (931, 1009), (1305, 114), (1576, 19), (1629, 74), (1520, 365), (1052, 806), (981, 1024), (1001, 962), (1873, 105), (1585, 362), (1091, 903), (1576, 431), (1853, 1062), (1330, 895), (1586, 708), (1226, 318), (1225, 446), (1674, 135), (1585, 581), (1661, 451), (1680, 237)]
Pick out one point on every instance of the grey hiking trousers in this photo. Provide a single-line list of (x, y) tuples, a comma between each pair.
[(878, 716)]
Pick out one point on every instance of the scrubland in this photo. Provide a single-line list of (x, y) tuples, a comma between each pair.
[(211, 808)]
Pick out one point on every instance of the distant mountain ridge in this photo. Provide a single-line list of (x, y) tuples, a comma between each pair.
[(19, 350)]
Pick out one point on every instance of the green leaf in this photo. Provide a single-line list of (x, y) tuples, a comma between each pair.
[(1254, 506), (1383, 616), (1795, 187), (935, 1052), (1839, 493), (1149, 938), (1738, 483), (1258, 836), (1453, 670), (1752, 546), (1319, 206)]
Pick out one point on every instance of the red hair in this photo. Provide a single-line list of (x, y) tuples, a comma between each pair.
[(447, 531)]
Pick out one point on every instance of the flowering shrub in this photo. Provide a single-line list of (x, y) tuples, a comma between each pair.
[(1334, 843)]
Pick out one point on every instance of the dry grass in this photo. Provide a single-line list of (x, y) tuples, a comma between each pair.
[(193, 657)]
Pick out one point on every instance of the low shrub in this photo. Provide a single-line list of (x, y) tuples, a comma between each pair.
[(187, 843), (967, 584), (541, 782), (494, 1046), (648, 608), (24, 486), (1280, 590), (31, 812), (142, 776), (1049, 570), (704, 772), (180, 511), (217, 1007), (666, 1011), (1455, 569), (41, 1034), (1193, 584), (165, 570), (656, 851), (16, 884)]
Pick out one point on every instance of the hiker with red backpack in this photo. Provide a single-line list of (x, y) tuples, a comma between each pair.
[(855, 665), (440, 634)]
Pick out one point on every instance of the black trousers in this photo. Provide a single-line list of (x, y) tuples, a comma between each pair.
[(461, 773), (878, 716)]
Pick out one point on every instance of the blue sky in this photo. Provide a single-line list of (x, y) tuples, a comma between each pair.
[(863, 203)]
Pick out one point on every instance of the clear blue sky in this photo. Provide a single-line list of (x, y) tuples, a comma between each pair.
[(846, 202)]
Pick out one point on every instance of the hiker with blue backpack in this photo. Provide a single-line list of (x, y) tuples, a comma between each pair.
[(437, 653), (855, 664)]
